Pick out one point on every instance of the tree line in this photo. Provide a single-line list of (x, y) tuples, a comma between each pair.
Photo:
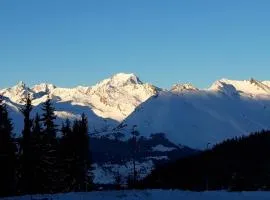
[(41, 161), (236, 164)]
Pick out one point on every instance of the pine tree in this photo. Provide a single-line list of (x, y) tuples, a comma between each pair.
[(49, 148), (66, 162), (27, 157), (82, 154), (7, 153), (74, 157), (37, 137), (66, 129), (36, 128), (85, 156), (26, 111), (48, 118), (134, 134)]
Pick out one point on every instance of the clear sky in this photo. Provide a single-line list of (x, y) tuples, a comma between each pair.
[(72, 42)]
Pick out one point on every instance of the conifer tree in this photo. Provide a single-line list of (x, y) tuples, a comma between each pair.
[(82, 154), (48, 118), (66, 162), (26, 111), (37, 137), (134, 134), (66, 129), (7, 153), (36, 128), (49, 148), (27, 157)]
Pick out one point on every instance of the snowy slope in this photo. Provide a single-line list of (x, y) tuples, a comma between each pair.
[(151, 194), (195, 117), (114, 157), (107, 172), (106, 104), (250, 87), (187, 115)]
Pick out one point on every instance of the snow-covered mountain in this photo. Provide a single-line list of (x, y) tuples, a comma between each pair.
[(106, 104), (194, 117), (172, 122), (185, 114)]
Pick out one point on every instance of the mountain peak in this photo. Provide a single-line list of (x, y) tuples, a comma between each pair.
[(20, 84), (125, 78), (251, 86), (119, 80), (20, 87), (224, 86), (183, 87), (43, 87)]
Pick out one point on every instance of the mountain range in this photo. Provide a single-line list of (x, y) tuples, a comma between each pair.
[(185, 114)]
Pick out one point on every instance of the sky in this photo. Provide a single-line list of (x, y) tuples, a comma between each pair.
[(81, 42)]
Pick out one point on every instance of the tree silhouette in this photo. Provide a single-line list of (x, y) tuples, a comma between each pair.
[(7, 153), (235, 164), (37, 147), (27, 157), (48, 118), (82, 153), (66, 158), (134, 134), (49, 148)]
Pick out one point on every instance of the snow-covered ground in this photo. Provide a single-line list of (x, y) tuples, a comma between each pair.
[(107, 173), (151, 194), (162, 148)]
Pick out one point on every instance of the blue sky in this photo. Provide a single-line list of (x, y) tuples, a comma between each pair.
[(162, 41)]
